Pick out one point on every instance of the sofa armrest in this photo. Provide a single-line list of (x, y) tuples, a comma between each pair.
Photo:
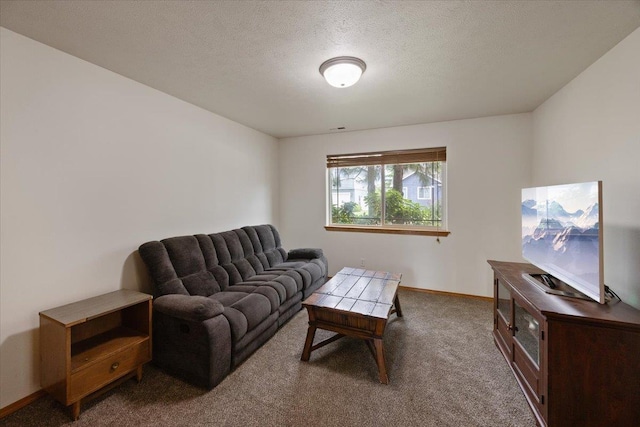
[(305, 253), (187, 307)]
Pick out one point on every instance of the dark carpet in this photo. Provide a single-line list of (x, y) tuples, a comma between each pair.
[(444, 370)]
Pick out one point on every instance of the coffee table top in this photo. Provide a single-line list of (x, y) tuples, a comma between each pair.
[(355, 290)]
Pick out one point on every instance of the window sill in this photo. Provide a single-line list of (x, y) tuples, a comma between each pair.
[(387, 230)]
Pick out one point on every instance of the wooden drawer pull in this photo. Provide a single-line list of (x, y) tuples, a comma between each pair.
[(115, 366)]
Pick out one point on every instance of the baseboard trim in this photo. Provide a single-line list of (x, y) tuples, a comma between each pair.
[(10, 409), (451, 294)]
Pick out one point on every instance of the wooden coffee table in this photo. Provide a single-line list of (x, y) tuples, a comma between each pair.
[(355, 303)]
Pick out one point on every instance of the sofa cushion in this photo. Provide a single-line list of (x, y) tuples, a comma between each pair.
[(248, 250), (266, 244), (315, 268), (286, 283), (208, 251), (202, 283), (155, 256), (173, 286), (254, 287), (304, 274), (177, 266), (185, 254), (244, 311), (236, 256)]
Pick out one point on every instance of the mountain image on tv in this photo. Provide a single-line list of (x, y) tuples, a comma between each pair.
[(560, 231)]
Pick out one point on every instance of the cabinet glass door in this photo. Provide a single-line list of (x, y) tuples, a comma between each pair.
[(527, 332), (504, 302)]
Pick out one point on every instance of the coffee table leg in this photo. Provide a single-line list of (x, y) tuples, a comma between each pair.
[(306, 353), (382, 367), (396, 302)]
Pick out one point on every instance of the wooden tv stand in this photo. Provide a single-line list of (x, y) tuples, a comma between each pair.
[(577, 362)]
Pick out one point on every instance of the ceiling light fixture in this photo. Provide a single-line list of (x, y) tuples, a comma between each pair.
[(343, 71)]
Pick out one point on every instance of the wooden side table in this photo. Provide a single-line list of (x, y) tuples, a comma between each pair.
[(87, 346)]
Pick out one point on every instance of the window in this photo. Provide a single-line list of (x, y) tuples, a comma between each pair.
[(388, 192), (424, 193)]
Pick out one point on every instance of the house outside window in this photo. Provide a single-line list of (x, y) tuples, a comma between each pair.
[(400, 191)]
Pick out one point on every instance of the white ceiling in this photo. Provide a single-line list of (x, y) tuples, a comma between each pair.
[(257, 62)]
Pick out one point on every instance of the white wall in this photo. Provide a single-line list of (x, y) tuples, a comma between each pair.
[(590, 130), (488, 162), (93, 165)]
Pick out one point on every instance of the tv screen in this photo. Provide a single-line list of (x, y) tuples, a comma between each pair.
[(562, 234)]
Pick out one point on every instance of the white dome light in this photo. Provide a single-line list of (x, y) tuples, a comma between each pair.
[(343, 71)]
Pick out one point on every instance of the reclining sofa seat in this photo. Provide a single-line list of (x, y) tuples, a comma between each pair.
[(219, 297)]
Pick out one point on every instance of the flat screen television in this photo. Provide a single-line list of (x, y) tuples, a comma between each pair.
[(562, 235)]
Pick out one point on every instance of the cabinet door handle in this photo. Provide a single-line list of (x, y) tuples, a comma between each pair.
[(115, 366)]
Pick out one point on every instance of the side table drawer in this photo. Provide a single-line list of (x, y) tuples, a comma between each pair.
[(94, 377)]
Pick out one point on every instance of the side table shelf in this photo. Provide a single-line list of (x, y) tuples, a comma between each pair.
[(88, 345)]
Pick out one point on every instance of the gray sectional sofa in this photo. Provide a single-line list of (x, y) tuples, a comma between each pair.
[(218, 297)]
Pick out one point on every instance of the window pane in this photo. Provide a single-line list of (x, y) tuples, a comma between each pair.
[(355, 195), (425, 193), (413, 194), (408, 193)]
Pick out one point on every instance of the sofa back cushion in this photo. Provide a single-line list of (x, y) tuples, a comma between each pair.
[(177, 266), (232, 256), (185, 255), (205, 264), (265, 240)]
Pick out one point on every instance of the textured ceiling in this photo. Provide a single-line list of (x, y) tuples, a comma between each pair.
[(257, 62)]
